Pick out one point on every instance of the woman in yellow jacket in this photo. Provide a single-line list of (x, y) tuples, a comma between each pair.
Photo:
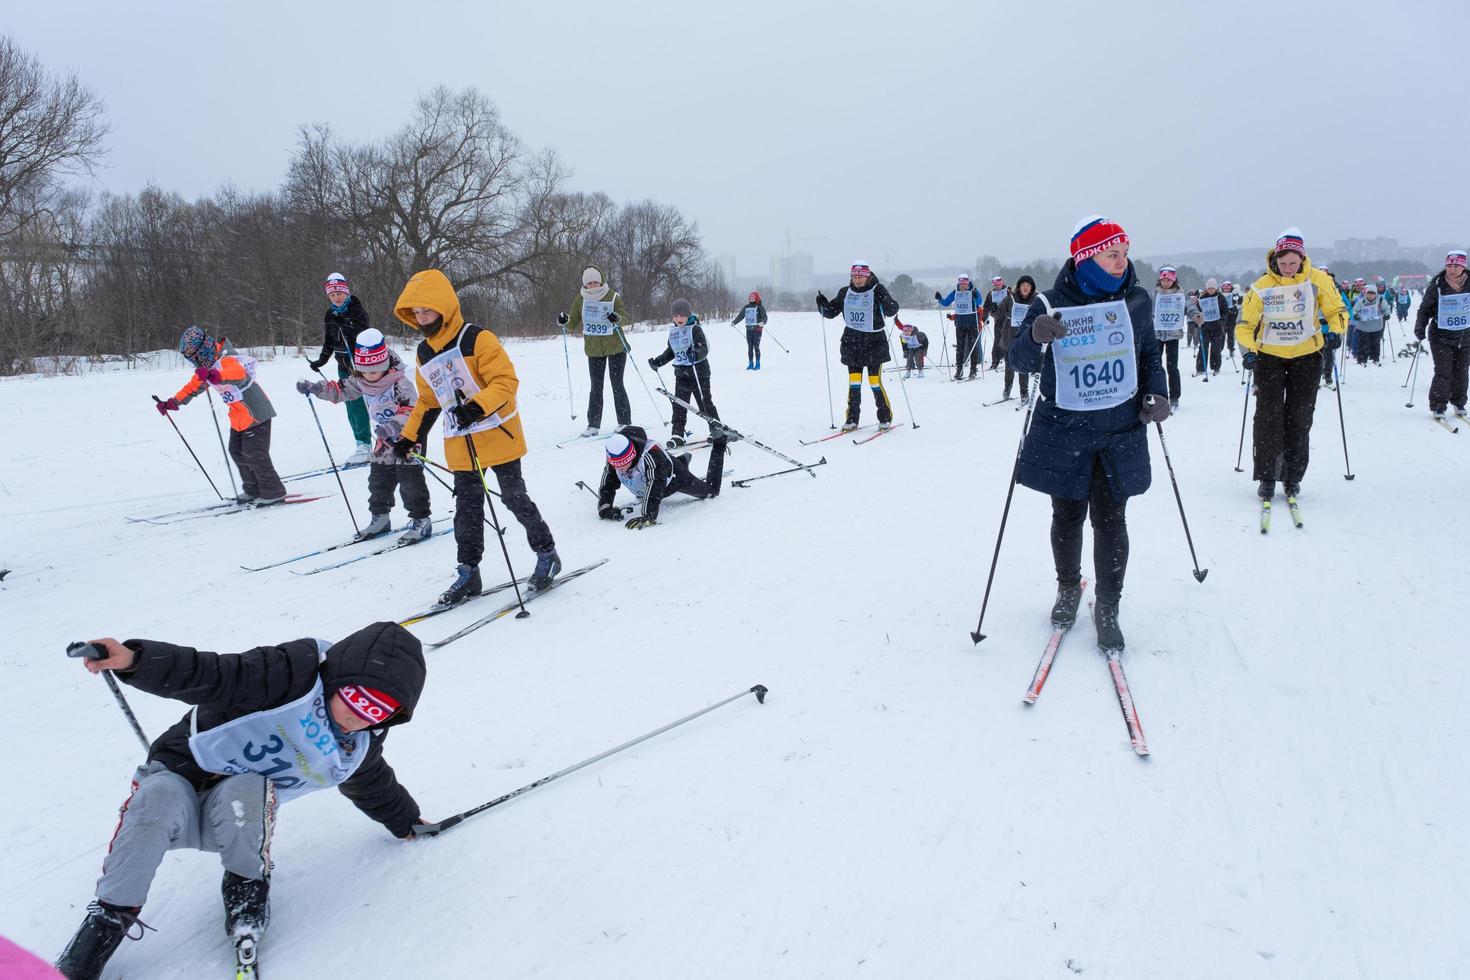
[(458, 358), (1278, 331)]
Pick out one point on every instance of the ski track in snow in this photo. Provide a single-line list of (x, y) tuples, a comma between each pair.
[(892, 810)]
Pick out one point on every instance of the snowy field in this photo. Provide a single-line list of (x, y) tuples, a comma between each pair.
[(893, 810)]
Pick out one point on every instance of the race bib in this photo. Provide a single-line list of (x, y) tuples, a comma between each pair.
[(1209, 307), (998, 296), (1454, 311), (857, 311), (447, 373), (1369, 311), (293, 746), (231, 392), (681, 342), (383, 406), (1095, 364), (1287, 314), (752, 316), (1019, 309), (964, 302), (1169, 315), (594, 318)]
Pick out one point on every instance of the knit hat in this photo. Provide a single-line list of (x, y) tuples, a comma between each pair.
[(1290, 240), (997, 281), (337, 282), (1168, 272), (369, 704), (681, 307), (1359, 281), (197, 346), (1323, 268), (1212, 283), (964, 277), (1095, 234), (591, 274), (860, 268), (620, 451), (755, 297), (1227, 284), (1455, 256), (370, 351)]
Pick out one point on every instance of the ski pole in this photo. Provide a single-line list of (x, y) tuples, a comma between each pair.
[(1414, 352), (221, 436), (768, 333), (353, 517), (944, 344), (191, 452), (1199, 575), (1005, 514), (827, 363), (436, 476), (469, 441), (1342, 424), (1240, 450), (641, 380), (567, 357), (434, 829), (93, 652), (1413, 376), (902, 384)]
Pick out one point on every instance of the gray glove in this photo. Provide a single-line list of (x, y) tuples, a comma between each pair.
[(1155, 409), (1047, 328)]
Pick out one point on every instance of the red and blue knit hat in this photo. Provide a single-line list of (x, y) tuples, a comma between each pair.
[(620, 451), (860, 268), (1290, 240), (1455, 256), (1095, 234), (337, 282), (371, 705), (370, 351), (1168, 272)]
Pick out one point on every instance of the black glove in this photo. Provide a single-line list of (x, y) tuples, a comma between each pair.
[(1248, 360), (1047, 328), (1419, 335), (1155, 409), (613, 318), (937, 297), (562, 319), (467, 414), (822, 301), (402, 447), (639, 523), (317, 365), (1333, 340), (653, 363), (609, 513)]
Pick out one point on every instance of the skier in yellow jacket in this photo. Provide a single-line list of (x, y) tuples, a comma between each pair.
[(1278, 331), (458, 359)]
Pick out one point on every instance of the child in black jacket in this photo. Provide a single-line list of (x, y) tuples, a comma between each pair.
[(650, 474), (689, 351)]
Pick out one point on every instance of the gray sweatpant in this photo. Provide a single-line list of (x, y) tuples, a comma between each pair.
[(233, 819)]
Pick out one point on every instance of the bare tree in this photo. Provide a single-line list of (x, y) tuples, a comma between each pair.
[(49, 126)]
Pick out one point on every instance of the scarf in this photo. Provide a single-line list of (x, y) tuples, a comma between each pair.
[(1095, 282)]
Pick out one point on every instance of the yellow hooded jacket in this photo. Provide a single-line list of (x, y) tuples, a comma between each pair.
[(1329, 305), (488, 362)]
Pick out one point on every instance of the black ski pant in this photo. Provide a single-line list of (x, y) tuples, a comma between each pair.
[(966, 347), (1451, 371), (1329, 363), (251, 451), (686, 482), (613, 365), (1230, 336), (1286, 396), (383, 478), (692, 381), (1109, 536), (1010, 375), (753, 344), (1212, 345), (1370, 346), (469, 511), (1171, 367), (913, 357), (855, 393)]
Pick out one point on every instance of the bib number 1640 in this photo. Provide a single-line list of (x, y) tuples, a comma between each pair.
[(1091, 375)]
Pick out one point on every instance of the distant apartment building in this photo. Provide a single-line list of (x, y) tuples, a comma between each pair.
[(792, 273), (1365, 249)]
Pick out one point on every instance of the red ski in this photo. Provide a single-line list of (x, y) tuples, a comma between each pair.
[(1125, 701), (1048, 657)]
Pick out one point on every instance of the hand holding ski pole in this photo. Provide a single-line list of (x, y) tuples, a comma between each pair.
[(102, 657)]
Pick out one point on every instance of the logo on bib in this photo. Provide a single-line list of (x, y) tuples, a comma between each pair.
[(1116, 337), (1112, 317)]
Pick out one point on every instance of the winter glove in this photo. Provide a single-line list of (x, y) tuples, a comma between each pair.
[(388, 432), (612, 317), (467, 414), (937, 297), (1047, 328), (653, 363), (1155, 409), (317, 365), (209, 375), (822, 301), (304, 386), (609, 513), (1419, 335), (639, 523), (1248, 360), (172, 405), (562, 319), (949, 316), (1333, 340), (402, 447)]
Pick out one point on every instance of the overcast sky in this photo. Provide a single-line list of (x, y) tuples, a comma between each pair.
[(909, 134)]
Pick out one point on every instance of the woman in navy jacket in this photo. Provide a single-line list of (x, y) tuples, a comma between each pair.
[(1102, 381)]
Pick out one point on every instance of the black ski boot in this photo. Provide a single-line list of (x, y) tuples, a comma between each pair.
[(466, 585), (1105, 618), (1292, 489), (1064, 610), (1266, 490), (247, 905), (101, 932), (548, 564), (717, 430)]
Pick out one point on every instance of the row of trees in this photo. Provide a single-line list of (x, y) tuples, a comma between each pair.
[(453, 189)]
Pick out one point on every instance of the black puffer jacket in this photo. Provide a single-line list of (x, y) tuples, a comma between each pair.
[(860, 348), (340, 332), (383, 656), (1428, 315), (659, 463)]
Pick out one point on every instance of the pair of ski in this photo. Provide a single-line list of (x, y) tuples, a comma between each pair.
[(502, 611), (1291, 504), (216, 510), (868, 429), (1115, 669), (1446, 423), (733, 435), (347, 544), (323, 471)]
